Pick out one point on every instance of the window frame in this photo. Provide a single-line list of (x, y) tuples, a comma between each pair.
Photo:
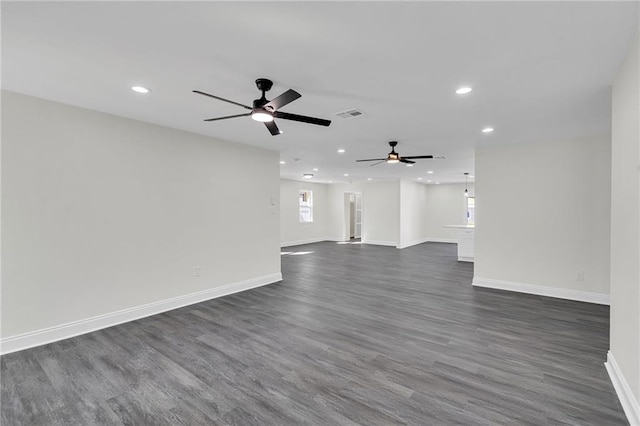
[(305, 207)]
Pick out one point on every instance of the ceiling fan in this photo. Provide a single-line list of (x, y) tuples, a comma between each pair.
[(394, 157), (265, 110)]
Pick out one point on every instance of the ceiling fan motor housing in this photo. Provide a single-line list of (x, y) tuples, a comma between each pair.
[(259, 103)]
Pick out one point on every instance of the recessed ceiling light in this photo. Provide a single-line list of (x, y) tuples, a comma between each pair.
[(307, 175), (346, 174), (140, 89), (437, 183), (430, 172), (428, 181), (283, 162), (420, 178), (368, 178), (315, 169), (487, 130), (330, 181), (463, 90), (409, 165), (341, 151)]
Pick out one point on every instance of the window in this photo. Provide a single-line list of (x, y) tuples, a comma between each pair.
[(306, 206), (471, 210)]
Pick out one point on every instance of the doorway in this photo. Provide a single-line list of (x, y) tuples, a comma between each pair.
[(353, 215)]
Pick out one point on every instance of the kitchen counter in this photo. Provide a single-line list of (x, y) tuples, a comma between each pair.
[(466, 242)]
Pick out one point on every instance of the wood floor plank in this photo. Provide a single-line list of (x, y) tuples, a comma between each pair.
[(354, 335)]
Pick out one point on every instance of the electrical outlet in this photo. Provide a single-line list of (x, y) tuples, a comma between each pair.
[(196, 271), (580, 276)]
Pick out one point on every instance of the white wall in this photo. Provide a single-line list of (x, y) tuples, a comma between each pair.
[(414, 205), (103, 214), (543, 215), (447, 206), (625, 234), (381, 213), (292, 232)]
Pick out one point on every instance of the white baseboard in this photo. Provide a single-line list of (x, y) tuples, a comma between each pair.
[(629, 403), (316, 240), (301, 242), (337, 239), (413, 243), (560, 293), (442, 240), (380, 243), (76, 328)]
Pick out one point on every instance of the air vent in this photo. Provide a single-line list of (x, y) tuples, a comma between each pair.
[(350, 113)]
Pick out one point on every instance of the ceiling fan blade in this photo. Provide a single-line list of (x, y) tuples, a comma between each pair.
[(228, 116), (404, 160), (287, 97), (413, 157), (375, 164), (221, 99), (373, 159), (302, 118), (271, 125)]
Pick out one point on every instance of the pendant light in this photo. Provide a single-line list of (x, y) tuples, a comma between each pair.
[(466, 184)]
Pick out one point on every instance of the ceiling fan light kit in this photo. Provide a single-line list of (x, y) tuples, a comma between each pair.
[(264, 110), (261, 116)]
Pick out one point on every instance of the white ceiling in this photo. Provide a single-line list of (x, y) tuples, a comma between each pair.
[(540, 71)]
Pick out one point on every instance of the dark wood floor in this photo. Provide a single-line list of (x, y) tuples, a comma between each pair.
[(355, 334)]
